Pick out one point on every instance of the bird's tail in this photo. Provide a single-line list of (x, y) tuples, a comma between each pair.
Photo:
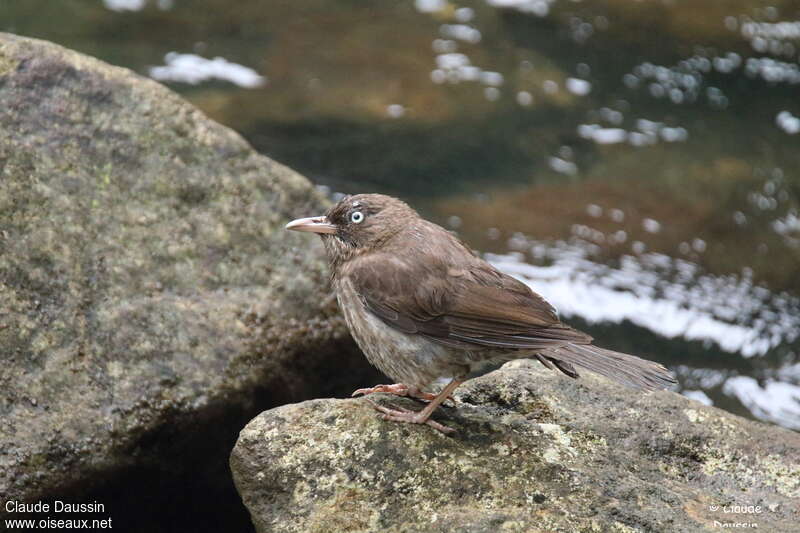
[(623, 368)]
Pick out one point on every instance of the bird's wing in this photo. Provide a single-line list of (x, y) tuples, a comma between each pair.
[(473, 307)]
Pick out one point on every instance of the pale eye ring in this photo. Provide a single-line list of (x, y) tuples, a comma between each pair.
[(356, 217)]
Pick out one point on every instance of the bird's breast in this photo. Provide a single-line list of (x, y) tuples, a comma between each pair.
[(406, 358)]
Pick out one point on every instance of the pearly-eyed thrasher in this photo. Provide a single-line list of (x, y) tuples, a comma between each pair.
[(422, 306)]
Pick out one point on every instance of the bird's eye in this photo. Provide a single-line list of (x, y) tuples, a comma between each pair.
[(356, 217)]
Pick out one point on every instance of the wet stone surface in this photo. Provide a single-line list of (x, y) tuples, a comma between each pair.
[(533, 451), (150, 301)]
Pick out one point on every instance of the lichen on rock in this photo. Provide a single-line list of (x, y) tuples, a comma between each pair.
[(146, 283), (534, 452)]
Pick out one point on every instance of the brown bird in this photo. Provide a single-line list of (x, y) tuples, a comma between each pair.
[(422, 306)]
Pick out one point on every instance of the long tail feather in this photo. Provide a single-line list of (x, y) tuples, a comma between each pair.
[(623, 368)]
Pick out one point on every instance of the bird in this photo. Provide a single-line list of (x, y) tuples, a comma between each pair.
[(423, 307)]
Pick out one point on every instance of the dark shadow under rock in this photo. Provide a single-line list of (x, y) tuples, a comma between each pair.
[(150, 300), (195, 491)]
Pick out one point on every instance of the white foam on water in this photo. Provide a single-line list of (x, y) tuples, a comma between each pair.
[(539, 8), (776, 401), (698, 396), (672, 298), (193, 69), (702, 308), (578, 86), (125, 5)]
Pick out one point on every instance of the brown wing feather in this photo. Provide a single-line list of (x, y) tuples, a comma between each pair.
[(435, 287), (476, 307)]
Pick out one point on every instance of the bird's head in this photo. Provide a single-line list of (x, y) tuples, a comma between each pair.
[(357, 224)]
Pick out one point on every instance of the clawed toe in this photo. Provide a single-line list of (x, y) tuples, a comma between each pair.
[(428, 397), (401, 389), (424, 396), (397, 389), (399, 414), (387, 410)]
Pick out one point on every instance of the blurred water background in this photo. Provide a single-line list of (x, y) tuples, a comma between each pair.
[(635, 161)]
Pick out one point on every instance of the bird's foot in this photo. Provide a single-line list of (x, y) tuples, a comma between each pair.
[(398, 389), (410, 417), (401, 389), (414, 392)]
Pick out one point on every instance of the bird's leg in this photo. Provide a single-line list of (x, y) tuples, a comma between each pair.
[(421, 417), (401, 389), (414, 392), (398, 389)]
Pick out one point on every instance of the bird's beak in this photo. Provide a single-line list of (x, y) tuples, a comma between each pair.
[(312, 224)]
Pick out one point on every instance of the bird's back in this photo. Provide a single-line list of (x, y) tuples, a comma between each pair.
[(425, 282)]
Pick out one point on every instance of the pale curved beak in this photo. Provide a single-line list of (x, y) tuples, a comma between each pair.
[(312, 224)]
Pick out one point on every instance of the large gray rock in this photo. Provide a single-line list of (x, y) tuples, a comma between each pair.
[(534, 452), (146, 285)]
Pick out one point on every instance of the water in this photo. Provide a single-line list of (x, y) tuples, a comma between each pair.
[(635, 162)]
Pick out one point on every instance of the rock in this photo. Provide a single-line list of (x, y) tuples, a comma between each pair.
[(534, 452), (147, 288)]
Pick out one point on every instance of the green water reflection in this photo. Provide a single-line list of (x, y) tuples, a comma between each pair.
[(614, 127)]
